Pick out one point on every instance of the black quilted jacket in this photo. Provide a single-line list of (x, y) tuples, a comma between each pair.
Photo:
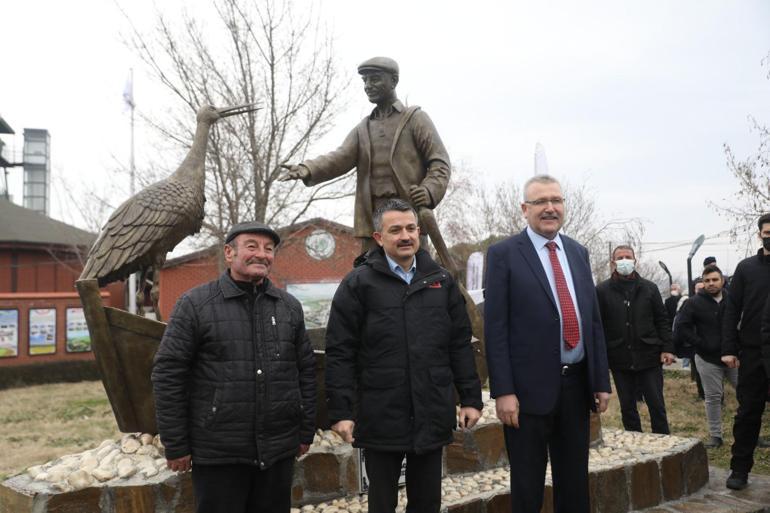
[(234, 384)]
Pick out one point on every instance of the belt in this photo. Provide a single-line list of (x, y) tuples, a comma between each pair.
[(568, 369)]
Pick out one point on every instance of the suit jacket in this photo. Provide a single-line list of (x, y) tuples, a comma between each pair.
[(417, 156), (522, 327)]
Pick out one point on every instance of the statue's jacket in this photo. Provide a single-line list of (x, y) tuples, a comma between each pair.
[(417, 156), (234, 382)]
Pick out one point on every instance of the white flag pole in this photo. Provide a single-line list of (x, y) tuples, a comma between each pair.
[(128, 97)]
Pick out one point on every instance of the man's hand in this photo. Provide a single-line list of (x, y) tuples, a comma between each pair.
[(303, 448), (419, 195), (344, 428), (182, 464), (294, 172), (468, 417), (731, 361), (507, 409), (667, 358), (602, 400)]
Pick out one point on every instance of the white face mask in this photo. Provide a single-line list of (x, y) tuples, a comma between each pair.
[(624, 267)]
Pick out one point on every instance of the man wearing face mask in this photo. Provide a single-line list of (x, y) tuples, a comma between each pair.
[(638, 336), (672, 301), (742, 349)]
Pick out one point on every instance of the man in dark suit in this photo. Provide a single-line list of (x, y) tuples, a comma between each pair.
[(545, 351)]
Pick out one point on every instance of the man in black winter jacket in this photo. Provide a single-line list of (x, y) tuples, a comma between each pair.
[(742, 348), (397, 347), (234, 383), (700, 327), (638, 337)]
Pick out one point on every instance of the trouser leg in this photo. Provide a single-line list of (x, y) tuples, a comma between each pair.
[(383, 469), (568, 447), (222, 488), (712, 378), (651, 381), (752, 394), (528, 456), (423, 482), (271, 488), (625, 386)]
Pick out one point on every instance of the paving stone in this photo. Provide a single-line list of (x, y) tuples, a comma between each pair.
[(595, 429), (698, 506), (696, 469), (322, 473), (461, 455), (645, 485), (185, 500), (81, 501), (134, 499), (499, 504), (672, 477), (12, 500), (352, 483), (609, 490), (490, 444), (473, 506), (733, 504)]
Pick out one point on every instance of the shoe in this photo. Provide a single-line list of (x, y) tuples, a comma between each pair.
[(713, 442), (737, 480), (763, 443)]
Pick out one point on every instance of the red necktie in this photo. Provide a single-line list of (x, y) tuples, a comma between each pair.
[(570, 326)]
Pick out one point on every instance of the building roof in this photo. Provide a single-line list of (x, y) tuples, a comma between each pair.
[(22, 225), (286, 233), (5, 128)]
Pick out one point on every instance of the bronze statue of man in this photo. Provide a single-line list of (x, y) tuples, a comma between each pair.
[(396, 151)]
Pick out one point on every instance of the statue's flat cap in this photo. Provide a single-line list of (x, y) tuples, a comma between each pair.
[(252, 227), (378, 64)]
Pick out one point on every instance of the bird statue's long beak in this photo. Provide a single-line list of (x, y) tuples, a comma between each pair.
[(238, 109)]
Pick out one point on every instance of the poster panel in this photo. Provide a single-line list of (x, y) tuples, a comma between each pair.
[(78, 338), (316, 299), (42, 331), (9, 333)]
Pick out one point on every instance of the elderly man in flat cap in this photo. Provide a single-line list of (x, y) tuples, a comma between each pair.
[(396, 151), (234, 383)]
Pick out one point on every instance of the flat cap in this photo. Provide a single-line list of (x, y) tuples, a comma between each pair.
[(378, 64), (252, 227)]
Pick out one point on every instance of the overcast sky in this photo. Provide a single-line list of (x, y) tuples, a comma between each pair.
[(636, 98)]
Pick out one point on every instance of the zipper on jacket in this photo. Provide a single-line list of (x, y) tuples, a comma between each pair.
[(259, 363)]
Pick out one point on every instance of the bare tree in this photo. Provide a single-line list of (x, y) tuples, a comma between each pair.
[(481, 215), (752, 199), (753, 177), (247, 52)]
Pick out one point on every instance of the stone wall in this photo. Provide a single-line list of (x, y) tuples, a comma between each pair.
[(633, 471)]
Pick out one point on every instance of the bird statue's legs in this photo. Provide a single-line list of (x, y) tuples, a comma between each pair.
[(155, 291), (140, 286)]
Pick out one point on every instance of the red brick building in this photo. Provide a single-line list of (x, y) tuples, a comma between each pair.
[(40, 311), (312, 259)]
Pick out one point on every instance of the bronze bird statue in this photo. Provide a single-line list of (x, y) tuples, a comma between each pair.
[(151, 223)]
